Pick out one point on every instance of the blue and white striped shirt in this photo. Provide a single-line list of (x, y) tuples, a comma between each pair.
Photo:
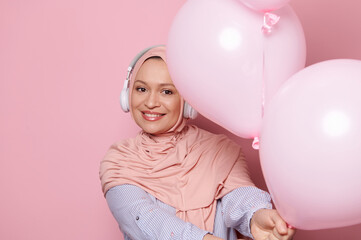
[(141, 216)]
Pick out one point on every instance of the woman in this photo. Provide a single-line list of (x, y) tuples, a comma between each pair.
[(176, 181)]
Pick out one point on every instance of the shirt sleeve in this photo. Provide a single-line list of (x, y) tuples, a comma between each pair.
[(140, 218), (239, 206)]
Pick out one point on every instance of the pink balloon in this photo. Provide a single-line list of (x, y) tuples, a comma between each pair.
[(223, 64), (265, 5), (310, 146)]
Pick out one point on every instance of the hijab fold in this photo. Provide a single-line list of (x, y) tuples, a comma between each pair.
[(190, 171)]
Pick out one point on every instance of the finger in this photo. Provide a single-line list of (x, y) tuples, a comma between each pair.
[(264, 219), (273, 237), (277, 234), (288, 236), (280, 224), (281, 227), (291, 233)]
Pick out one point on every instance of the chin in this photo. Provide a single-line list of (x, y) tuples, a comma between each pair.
[(156, 128), (153, 128), (153, 132)]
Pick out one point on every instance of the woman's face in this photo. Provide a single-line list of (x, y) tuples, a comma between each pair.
[(155, 102)]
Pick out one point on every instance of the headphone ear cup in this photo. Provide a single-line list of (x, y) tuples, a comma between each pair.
[(189, 112), (124, 99)]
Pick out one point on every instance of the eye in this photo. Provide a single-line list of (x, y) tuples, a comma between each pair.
[(140, 89), (167, 92)]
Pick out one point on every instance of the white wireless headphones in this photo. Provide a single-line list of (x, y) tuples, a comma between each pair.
[(188, 111)]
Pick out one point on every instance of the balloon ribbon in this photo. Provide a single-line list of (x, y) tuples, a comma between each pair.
[(269, 20)]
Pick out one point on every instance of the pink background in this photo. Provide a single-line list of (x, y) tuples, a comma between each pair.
[(62, 63)]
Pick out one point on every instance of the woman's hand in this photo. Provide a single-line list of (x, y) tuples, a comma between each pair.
[(267, 224), (211, 237)]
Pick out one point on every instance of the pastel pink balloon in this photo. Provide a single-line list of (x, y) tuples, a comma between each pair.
[(265, 5), (310, 146), (223, 64)]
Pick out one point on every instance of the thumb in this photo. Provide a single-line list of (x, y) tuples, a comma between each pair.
[(263, 219), (280, 224)]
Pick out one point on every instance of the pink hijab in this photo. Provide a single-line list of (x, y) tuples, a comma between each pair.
[(187, 168)]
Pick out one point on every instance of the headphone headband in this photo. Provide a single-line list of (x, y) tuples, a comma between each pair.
[(137, 57)]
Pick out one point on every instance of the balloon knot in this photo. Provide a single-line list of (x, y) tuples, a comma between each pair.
[(290, 226), (269, 20), (255, 143)]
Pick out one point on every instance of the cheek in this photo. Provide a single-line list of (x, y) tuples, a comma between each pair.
[(176, 107), (134, 101)]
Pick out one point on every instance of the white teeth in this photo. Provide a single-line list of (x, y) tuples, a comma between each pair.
[(152, 115)]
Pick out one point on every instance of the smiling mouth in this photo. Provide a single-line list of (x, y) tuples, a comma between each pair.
[(152, 116)]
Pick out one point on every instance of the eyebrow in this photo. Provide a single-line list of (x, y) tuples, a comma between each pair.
[(161, 84)]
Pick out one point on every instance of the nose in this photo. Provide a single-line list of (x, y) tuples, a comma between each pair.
[(152, 100)]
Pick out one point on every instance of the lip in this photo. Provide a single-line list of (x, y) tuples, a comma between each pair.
[(152, 116)]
